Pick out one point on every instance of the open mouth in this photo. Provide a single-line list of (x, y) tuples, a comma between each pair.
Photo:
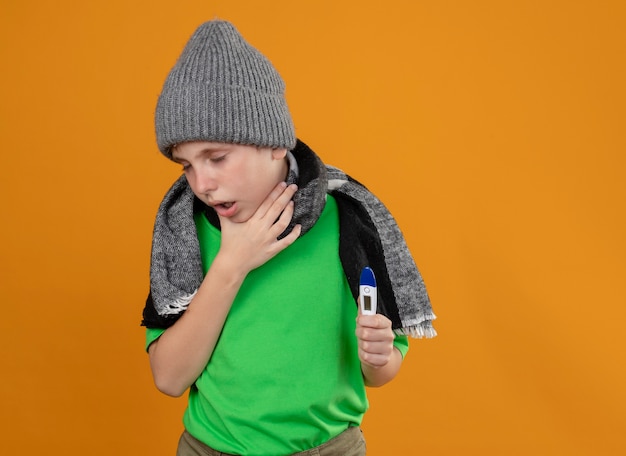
[(226, 209)]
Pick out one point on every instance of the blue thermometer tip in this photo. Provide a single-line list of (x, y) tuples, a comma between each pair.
[(367, 277)]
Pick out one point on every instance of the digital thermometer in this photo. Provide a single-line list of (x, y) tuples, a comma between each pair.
[(367, 292)]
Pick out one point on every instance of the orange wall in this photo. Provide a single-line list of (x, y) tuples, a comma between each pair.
[(495, 131)]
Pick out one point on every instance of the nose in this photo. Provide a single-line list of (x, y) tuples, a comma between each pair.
[(204, 182)]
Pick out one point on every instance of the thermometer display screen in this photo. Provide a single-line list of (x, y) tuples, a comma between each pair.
[(367, 303)]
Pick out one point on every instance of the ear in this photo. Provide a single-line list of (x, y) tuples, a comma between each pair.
[(279, 154)]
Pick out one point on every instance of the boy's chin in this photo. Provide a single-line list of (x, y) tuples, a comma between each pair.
[(237, 219)]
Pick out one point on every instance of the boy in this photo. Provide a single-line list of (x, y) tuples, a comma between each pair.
[(256, 254)]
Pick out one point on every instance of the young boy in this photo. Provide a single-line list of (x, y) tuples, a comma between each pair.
[(257, 251)]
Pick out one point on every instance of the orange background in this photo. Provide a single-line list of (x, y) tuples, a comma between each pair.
[(495, 132)]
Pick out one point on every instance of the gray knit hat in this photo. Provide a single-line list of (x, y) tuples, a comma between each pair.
[(224, 90)]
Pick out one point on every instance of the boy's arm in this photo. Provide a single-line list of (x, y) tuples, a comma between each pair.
[(380, 360), (180, 354), (178, 357)]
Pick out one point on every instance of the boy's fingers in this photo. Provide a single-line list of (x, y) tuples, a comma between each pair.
[(377, 321), (372, 335), (273, 196), (277, 200), (282, 203), (283, 220), (290, 238)]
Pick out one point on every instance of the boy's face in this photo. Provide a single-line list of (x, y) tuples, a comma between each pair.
[(232, 178)]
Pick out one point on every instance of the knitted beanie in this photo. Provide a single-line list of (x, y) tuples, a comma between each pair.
[(222, 89)]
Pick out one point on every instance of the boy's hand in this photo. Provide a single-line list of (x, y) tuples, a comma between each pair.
[(375, 338), (380, 360), (248, 245)]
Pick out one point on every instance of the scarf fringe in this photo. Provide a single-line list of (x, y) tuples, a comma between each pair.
[(179, 305), (417, 332), (418, 329)]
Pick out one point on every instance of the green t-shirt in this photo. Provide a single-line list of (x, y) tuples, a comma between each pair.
[(285, 375)]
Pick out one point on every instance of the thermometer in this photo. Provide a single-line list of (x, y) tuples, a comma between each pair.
[(367, 292)]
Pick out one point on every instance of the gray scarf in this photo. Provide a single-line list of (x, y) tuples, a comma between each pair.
[(369, 236)]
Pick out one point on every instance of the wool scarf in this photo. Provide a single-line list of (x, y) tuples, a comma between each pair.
[(369, 236)]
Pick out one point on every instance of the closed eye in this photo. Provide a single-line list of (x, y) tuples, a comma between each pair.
[(218, 158)]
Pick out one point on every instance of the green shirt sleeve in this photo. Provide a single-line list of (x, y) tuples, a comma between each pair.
[(402, 344), (152, 335)]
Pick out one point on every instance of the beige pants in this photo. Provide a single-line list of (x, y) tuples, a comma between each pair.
[(348, 443)]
